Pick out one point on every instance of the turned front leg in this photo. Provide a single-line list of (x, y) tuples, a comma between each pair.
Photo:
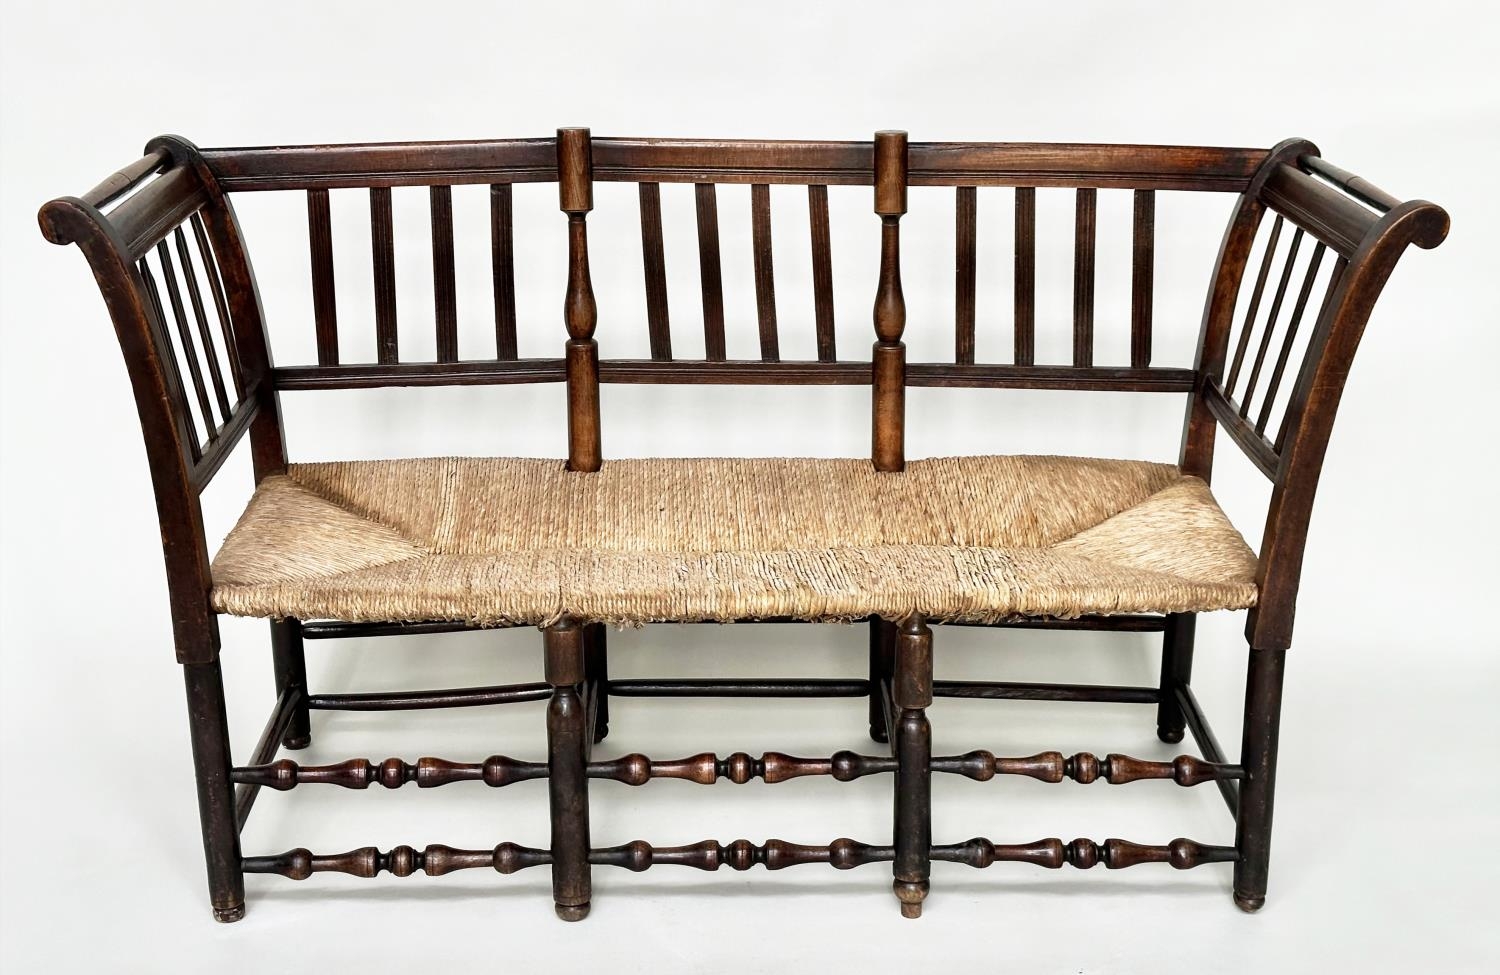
[(1258, 788), (209, 728), (912, 691), (567, 783)]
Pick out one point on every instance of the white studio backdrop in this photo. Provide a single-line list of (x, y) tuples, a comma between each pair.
[(1386, 810)]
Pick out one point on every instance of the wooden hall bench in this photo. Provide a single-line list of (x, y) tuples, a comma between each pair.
[(374, 547)]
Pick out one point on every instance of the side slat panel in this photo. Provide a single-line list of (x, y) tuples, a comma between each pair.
[(1254, 308), (185, 338), (221, 302), (170, 373), (200, 318), (1274, 386), (1270, 329), (653, 258)]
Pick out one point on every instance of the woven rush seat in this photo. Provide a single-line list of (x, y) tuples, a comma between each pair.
[(492, 540)]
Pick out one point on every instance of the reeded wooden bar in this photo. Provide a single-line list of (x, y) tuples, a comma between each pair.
[(653, 259), (765, 274), (1142, 277), (1083, 277), (325, 305), (444, 281), (383, 245), (710, 273), (503, 269), (822, 267), (965, 272)]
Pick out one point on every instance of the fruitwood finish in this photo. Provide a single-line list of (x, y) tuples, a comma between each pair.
[(1275, 347)]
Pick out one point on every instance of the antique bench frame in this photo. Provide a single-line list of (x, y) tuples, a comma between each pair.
[(177, 192)]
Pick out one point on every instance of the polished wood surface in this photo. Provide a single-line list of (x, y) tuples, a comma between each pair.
[(1275, 347)]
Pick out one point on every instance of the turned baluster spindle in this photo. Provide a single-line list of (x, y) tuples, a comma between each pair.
[(576, 192), (710, 855), (740, 767), (359, 773), (401, 861), (1053, 853), (889, 368), (1083, 767)]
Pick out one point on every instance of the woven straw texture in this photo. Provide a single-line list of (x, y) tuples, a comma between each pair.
[(492, 540)]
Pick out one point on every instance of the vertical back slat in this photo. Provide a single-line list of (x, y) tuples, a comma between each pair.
[(822, 268), (1339, 267), (503, 270), (325, 308), (965, 273), (709, 271), (383, 252), (1083, 276), (1275, 312), (185, 338), (1025, 281), (1260, 287), (444, 283), (653, 258), (765, 276), (170, 373), (200, 317), (1142, 278), (1314, 263), (221, 302)]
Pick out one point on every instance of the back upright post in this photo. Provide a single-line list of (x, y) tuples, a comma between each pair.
[(889, 365), (575, 181)]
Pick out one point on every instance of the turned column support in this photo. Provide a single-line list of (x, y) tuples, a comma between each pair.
[(911, 691), (575, 181), (888, 448), (567, 778)]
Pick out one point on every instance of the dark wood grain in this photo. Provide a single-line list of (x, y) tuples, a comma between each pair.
[(1142, 277), (325, 305), (709, 271), (822, 268), (383, 246), (503, 268), (1025, 276), (765, 273)]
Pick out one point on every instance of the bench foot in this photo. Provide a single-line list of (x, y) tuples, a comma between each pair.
[(911, 894), (228, 915), (1248, 903), (572, 912), (1257, 790), (1176, 671)]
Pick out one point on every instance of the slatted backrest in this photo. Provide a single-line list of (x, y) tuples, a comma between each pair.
[(707, 164), (373, 170)]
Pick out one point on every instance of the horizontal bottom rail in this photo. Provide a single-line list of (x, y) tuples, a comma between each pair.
[(458, 697), (740, 767), (1019, 691), (340, 630), (807, 687), (1083, 767), (842, 854), (1082, 853)]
